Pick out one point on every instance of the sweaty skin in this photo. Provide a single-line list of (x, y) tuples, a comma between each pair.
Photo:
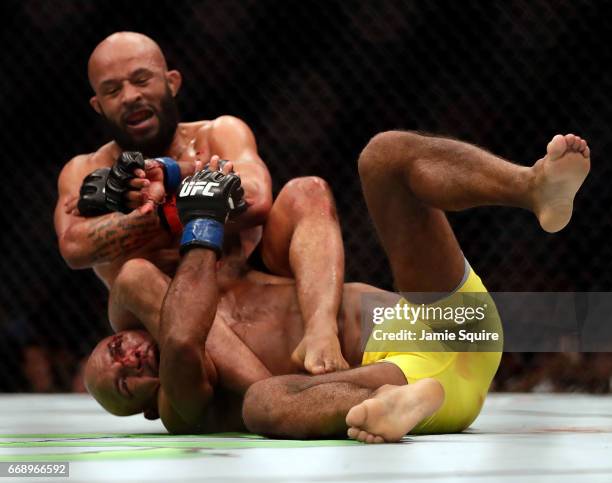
[(257, 325), (408, 179), (134, 94), (104, 243), (373, 402), (131, 82)]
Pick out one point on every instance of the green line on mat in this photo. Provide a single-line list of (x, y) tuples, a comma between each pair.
[(138, 446), (152, 453), (124, 435), (211, 444)]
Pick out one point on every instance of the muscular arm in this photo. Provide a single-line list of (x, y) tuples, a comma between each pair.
[(232, 139), (131, 307), (85, 242), (187, 374)]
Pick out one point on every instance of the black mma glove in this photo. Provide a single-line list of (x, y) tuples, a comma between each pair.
[(120, 175), (204, 202), (241, 206), (92, 200)]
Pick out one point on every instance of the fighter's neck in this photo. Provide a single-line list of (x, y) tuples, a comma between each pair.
[(181, 145), (184, 140)]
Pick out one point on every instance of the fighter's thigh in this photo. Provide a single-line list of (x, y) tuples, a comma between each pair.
[(420, 244), (299, 198), (371, 377)]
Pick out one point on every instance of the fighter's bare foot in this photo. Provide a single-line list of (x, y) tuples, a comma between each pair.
[(393, 411), (558, 176), (320, 353)]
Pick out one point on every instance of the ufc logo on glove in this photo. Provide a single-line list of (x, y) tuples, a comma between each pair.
[(192, 189)]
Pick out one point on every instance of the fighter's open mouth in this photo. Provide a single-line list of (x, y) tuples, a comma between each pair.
[(138, 117)]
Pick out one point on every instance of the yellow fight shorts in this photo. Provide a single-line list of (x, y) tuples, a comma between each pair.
[(465, 376)]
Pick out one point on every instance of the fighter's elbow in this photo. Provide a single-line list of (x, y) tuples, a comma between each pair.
[(72, 252)]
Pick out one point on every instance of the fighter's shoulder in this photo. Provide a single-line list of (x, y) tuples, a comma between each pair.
[(228, 122), (104, 156), (82, 164), (198, 130), (222, 124)]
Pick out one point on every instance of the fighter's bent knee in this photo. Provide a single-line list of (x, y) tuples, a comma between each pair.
[(385, 148), (259, 414), (306, 187), (302, 194)]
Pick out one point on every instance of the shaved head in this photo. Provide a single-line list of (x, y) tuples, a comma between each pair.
[(122, 46), (134, 92), (122, 373)]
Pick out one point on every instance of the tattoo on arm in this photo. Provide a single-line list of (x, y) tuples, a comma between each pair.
[(116, 235)]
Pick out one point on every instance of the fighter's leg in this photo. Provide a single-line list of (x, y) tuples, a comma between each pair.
[(298, 406), (136, 297), (302, 239), (408, 179)]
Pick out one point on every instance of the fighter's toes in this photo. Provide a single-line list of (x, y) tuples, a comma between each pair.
[(315, 366), (557, 146), (357, 415), (320, 354), (364, 436), (337, 363), (560, 144), (566, 144), (577, 143)]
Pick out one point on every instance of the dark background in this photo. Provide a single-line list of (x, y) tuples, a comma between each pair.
[(315, 81)]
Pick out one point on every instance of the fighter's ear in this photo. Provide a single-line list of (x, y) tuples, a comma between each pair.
[(175, 79), (151, 414), (93, 102)]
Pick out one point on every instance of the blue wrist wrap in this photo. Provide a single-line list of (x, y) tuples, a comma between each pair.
[(203, 232), (172, 174)]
